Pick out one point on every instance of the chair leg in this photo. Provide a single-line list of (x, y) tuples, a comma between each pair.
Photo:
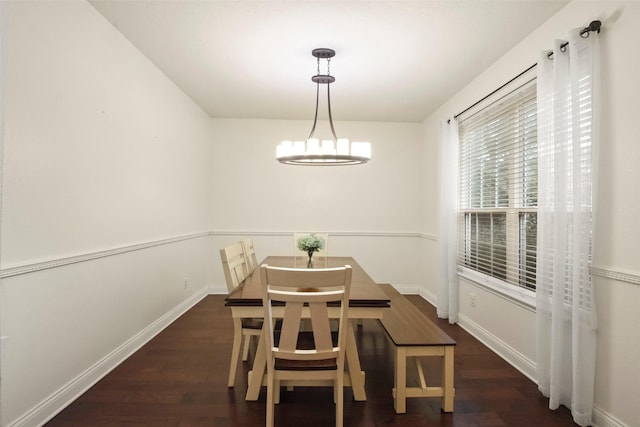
[(270, 400), (340, 399), (276, 397), (245, 350), (235, 351)]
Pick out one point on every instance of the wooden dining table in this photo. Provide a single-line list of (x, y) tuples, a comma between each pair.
[(366, 301)]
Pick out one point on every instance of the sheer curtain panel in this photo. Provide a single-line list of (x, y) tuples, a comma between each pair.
[(567, 159), (447, 275)]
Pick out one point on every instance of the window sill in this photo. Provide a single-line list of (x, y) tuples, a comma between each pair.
[(522, 297)]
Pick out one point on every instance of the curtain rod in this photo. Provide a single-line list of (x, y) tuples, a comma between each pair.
[(593, 26)]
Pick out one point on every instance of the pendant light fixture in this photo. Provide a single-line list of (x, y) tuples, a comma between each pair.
[(313, 152)]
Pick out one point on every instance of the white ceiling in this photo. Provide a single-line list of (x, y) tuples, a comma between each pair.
[(395, 61)]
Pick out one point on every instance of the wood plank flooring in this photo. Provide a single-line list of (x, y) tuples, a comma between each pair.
[(179, 379)]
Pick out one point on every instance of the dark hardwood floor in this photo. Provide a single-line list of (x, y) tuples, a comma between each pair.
[(179, 379)]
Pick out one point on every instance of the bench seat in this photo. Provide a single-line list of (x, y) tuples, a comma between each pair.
[(415, 335)]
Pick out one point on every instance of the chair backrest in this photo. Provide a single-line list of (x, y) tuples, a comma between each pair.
[(234, 265), (306, 293), (249, 254), (300, 256)]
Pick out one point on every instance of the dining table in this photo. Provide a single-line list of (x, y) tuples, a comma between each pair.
[(366, 301)]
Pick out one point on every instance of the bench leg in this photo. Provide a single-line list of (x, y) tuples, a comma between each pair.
[(447, 379), (400, 381), (421, 378)]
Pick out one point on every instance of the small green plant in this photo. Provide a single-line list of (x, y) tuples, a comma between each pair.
[(310, 243)]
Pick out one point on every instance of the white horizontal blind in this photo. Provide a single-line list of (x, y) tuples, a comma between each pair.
[(498, 185)]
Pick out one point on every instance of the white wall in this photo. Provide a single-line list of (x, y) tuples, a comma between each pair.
[(382, 195), (372, 212), (618, 373), (102, 152)]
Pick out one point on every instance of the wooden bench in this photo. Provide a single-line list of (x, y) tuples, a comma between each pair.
[(415, 335)]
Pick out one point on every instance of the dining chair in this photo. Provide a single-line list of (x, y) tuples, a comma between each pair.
[(293, 356), (249, 254), (235, 271), (320, 257)]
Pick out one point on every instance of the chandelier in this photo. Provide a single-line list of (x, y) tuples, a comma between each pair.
[(331, 152)]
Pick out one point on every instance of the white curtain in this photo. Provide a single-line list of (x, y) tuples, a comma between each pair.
[(448, 178), (567, 159), (4, 44)]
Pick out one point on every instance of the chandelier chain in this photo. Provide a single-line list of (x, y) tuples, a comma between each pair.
[(328, 66)]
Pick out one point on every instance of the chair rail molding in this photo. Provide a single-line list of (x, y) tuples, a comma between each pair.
[(620, 276), (90, 256), (400, 234), (32, 267), (26, 268)]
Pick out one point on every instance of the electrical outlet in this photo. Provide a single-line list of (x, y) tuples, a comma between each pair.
[(186, 283), (472, 300)]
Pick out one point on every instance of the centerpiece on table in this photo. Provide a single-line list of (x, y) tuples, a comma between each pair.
[(310, 243)]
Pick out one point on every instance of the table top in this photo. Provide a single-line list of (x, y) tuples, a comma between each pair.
[(364, 291)]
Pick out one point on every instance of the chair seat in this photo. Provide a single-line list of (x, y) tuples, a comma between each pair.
[(306, 365), (305, 342)]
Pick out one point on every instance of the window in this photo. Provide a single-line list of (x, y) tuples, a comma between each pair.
[(498, 188)]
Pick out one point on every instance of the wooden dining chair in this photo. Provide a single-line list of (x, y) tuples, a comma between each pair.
[(249, 254), (293, 356), (235, 271), (320, 257)]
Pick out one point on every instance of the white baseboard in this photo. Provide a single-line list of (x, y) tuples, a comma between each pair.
[(604, 419), (60, 399), (407, 290), (430, 297), (525, 365), (217, 289), (516, 359)]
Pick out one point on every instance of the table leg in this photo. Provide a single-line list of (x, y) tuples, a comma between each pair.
[(257, 371), (447, 379), (356, 374)]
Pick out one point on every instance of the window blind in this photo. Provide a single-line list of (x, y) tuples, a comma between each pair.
[(497, 190)]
